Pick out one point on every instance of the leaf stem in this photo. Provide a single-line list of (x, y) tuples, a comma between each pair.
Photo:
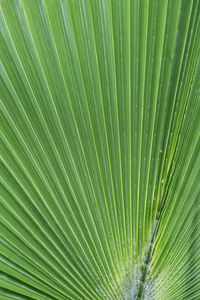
[(147, 260)]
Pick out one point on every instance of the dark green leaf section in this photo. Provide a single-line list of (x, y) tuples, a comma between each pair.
[(100, 149)]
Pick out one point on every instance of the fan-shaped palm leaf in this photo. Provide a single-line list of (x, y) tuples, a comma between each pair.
[(100, 149)]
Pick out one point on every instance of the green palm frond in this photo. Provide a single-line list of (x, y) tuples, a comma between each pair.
[(100, 149)]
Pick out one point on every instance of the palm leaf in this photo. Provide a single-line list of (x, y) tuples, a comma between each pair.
[(100, 149)]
